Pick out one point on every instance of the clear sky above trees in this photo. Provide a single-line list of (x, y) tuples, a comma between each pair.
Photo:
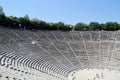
[(68, 11)]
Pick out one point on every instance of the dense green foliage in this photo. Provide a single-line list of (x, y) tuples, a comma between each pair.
[(27, 23)]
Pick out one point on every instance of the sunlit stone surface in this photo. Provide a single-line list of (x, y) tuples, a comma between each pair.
[(97, 74), (58, 55)]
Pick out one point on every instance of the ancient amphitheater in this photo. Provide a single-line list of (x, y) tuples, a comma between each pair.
[(54, 55)]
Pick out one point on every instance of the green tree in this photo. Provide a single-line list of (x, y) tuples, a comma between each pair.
[(68, 27), (39, 24), (13, 21), (52, 26), (111, 26), (3, 18), (24, 22), (81, 27), (102, 25), (35, 23), (94, 26), (60, 26)]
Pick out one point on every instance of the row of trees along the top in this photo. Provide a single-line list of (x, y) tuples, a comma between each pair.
[(27, 23)]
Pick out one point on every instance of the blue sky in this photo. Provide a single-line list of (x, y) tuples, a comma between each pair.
[(67, 11)]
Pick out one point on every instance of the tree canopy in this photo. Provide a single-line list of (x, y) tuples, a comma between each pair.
[(81, 27), (26, 23)]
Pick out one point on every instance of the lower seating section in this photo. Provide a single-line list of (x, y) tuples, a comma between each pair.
[(14, 69), (9, 73)]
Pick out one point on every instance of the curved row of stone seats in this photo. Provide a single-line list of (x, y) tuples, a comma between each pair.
[(32, 35), (81, 53), (28, 53), (41, 36), (11, 60), (86, 36), (58, 35), (4, 63), (19, 35), (41, 63), (103, 35), (115, 56), (104, 54), (95, 36), (6, 36), (93, 53), (10, 71), (67, 51), (42, 52), (68, 35), (96, 51), (18, 75), (118, 36), (5, 71), (3, 36), (58, 55), (49, 35), (77, 36), (112, 35), (54, 51)]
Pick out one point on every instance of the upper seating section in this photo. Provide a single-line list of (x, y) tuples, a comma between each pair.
[(7, 35)]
